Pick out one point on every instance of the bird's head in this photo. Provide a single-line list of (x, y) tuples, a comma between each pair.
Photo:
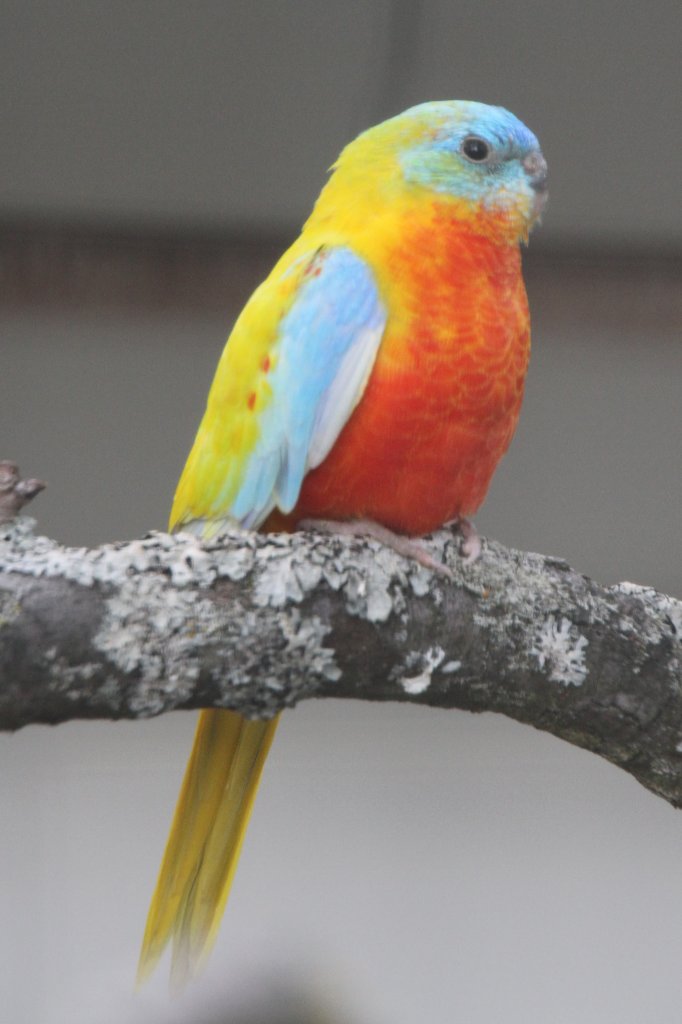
[(480, 157)]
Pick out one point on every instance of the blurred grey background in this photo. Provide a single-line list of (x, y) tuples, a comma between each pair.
[(403, 865)]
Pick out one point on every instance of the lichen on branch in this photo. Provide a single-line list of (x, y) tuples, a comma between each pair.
[(259, 622)]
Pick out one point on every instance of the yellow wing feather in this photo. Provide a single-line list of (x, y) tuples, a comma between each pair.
[(240, 391), (203, 848)]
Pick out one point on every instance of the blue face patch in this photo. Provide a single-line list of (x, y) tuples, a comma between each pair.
[(438, 161)]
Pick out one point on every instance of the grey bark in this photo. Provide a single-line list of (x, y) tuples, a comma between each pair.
[(259, 622)]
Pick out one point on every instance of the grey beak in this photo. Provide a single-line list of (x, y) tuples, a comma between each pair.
[(536, 167)]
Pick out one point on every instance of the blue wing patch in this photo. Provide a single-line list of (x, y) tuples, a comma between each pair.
[(327, 345)]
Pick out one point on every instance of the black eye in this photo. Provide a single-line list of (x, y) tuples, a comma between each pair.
[(475, 149)]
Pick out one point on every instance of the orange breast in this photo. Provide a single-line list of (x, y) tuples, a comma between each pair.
[(443, 398)]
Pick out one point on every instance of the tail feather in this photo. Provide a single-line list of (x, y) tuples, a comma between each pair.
[(205, 841)]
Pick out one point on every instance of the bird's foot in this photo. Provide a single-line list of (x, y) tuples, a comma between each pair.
[(405, 546), (470, 547)]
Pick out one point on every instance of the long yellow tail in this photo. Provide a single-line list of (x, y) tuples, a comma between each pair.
[(205, 840)]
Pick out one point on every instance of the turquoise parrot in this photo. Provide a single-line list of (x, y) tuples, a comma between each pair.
[(374, 378)]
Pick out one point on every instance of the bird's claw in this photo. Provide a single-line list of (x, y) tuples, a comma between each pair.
[(405, 546), (470, 546)]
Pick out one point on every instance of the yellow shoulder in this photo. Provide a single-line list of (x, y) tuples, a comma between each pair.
[(240, 392)]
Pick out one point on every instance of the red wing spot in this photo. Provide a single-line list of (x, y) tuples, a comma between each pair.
[(265, 365), (251, 400), (314, 268)]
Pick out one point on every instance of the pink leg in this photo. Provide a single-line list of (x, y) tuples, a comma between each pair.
[(470, 548), (404, 546)]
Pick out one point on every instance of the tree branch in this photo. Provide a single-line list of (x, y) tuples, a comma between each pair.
[(15, 492), (258, 622)]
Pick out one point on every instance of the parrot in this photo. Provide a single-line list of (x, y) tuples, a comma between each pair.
[(374, 381)]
